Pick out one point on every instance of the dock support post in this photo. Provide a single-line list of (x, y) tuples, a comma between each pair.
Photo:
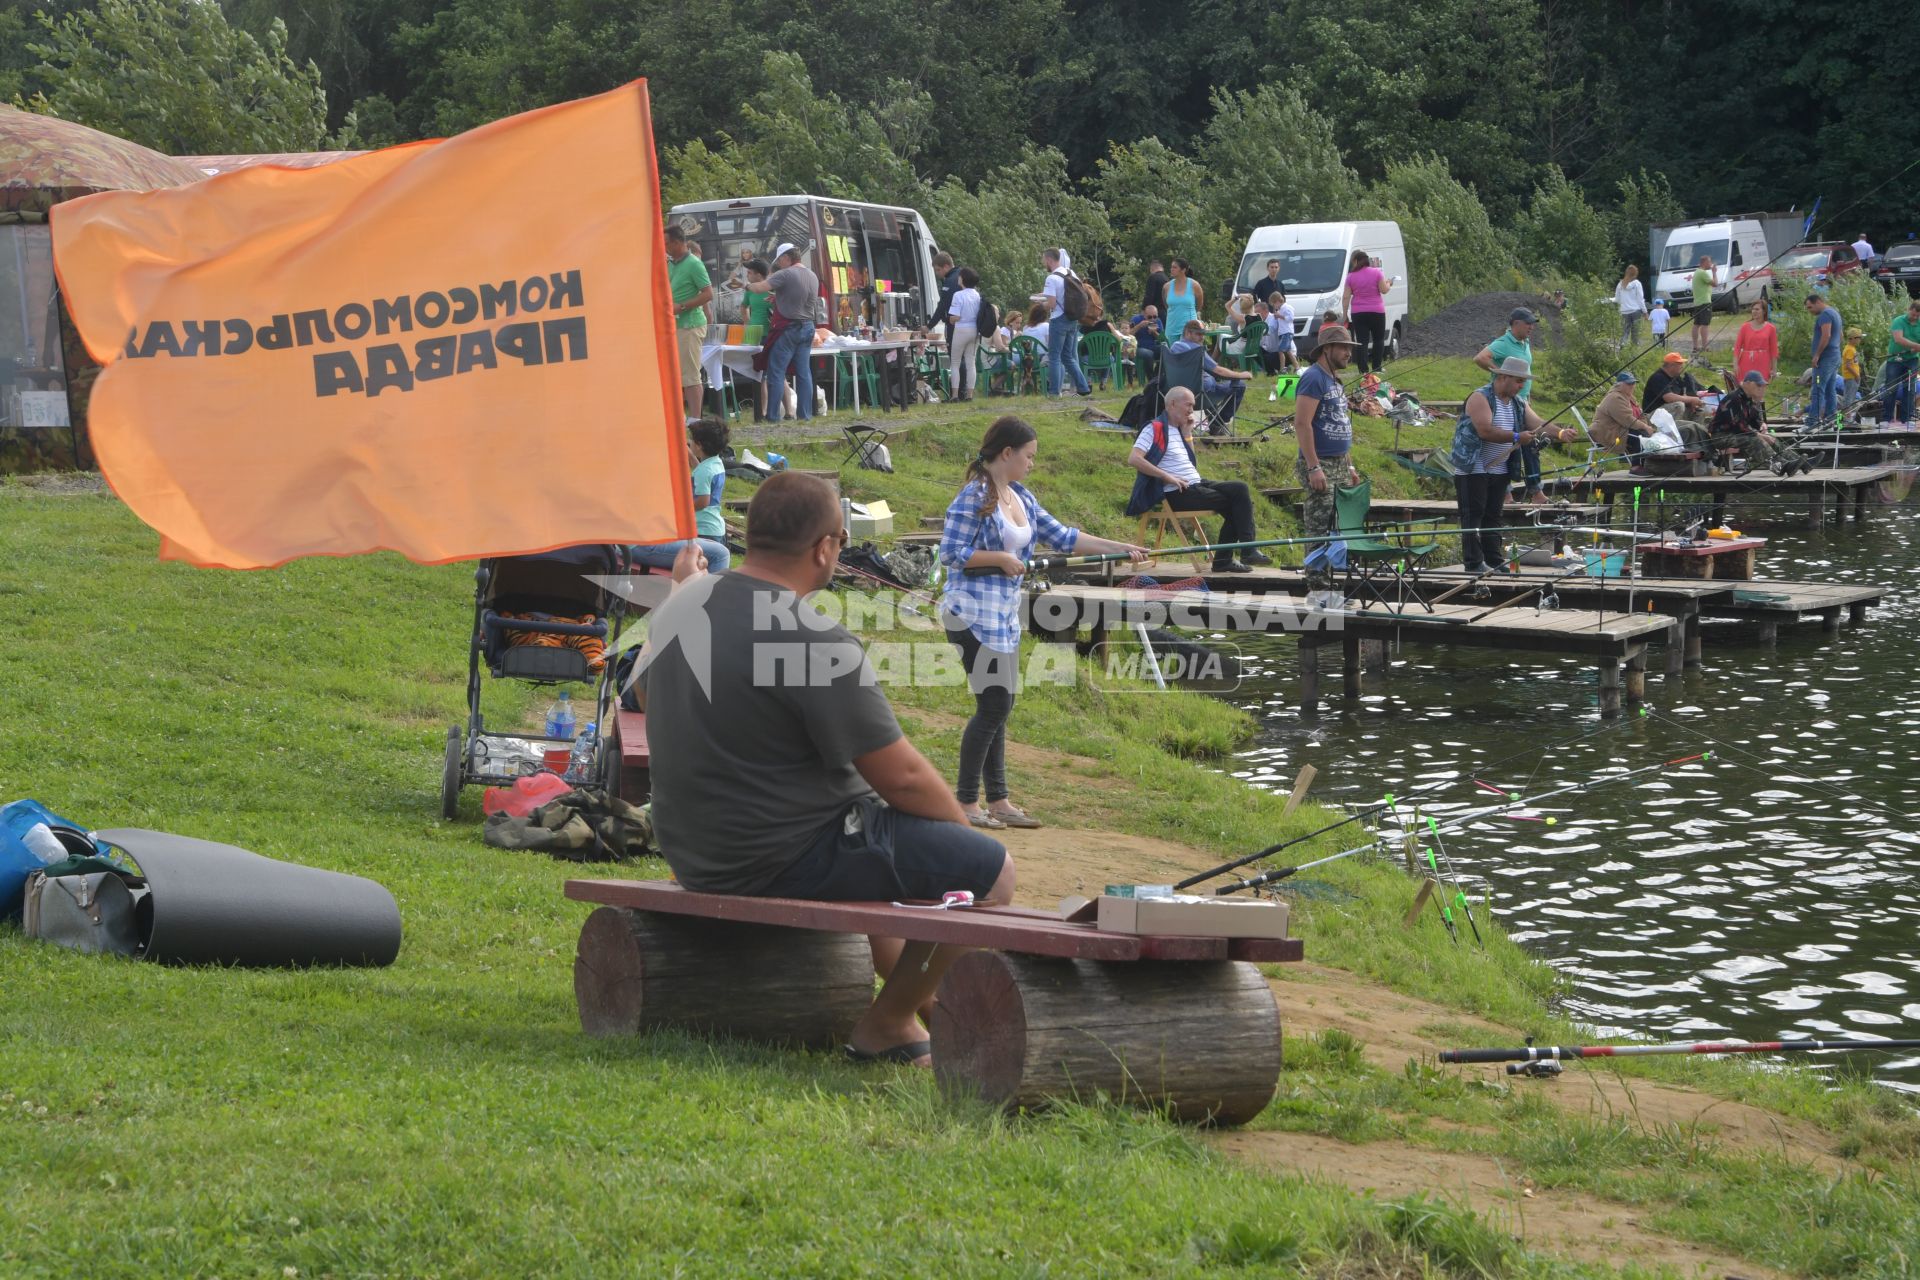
[(1309, 675), (1677, 647), (1830, 620), (1859, 503), (1637, 675), (1609, 686), (1350, 664), (1816, 508), (1769, 632), (1693, 641), (1857, 613), (1373, 656)]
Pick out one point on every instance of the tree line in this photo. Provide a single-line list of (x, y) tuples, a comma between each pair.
[(1513, 139)]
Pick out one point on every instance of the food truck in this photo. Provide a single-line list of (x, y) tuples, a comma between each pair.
[(875, 261)]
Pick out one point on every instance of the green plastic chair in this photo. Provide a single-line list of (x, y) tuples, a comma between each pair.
[(1371, 556), (1249, 358), (996, 372), (843, 367), (1100, 357), (1033, 363)]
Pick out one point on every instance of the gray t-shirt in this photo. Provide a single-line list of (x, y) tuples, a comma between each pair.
[(750, 768), (794, 289)]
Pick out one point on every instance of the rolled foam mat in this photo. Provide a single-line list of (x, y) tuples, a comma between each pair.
[(215, 903)]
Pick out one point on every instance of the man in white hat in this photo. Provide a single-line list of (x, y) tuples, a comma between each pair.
[(1499, 422), (795, 291)]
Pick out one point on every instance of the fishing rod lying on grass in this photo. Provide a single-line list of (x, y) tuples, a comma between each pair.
[(1544, 1060)]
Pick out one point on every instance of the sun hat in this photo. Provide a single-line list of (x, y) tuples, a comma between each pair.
[(1754, 375), (1522, 315), (1336, 333), (1514, 367)]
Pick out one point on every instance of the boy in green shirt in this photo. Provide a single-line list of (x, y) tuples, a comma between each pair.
[(1903, 360), (1702, 305)]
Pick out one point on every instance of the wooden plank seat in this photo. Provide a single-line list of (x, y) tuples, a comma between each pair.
[(1045, 1010)]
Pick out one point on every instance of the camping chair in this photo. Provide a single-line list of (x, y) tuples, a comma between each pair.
[(1100, 356), (1033, 361), (1187, 369), (1185, 524), (861, 436), (1368, 556)]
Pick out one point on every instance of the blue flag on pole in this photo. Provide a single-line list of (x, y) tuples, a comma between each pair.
[(1807, 230)]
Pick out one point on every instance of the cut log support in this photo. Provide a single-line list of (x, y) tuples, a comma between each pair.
[(1309, 675), (1200, 1040), (640, 970), (1350, 665), (1609, 686)]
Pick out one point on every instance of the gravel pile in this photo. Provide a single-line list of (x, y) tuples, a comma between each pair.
[(1471, 323)]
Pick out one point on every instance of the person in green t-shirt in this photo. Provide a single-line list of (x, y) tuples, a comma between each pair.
[(692, 291), (758, 308), (1702, 304), (1903, 363)]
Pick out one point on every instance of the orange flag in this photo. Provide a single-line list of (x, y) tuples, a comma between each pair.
[(449, 349)]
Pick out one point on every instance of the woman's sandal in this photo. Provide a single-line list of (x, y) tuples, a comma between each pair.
[(985, 821), (1014, 817)]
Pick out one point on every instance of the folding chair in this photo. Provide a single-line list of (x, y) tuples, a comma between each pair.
[(1188, 369), (859, 436), (1368, 556), (1185, 524)]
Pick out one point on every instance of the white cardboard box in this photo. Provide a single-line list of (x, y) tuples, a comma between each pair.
[(1194, 916)]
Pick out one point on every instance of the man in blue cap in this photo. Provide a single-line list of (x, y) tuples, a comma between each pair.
[(1517, 343), (1740, 426)]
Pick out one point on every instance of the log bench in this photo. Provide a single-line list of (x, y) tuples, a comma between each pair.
[(1044, 1010)]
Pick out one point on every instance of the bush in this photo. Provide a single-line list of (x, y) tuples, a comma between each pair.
[(1157, 202), (1452, 247), (1017, 211), (1561, 233), (1862, 305), (1579, 365)]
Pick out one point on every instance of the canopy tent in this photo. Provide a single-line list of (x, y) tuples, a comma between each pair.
[(45, 372), (213, 166)]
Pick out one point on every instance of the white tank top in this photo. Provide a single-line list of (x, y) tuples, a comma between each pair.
[(1013, 537)]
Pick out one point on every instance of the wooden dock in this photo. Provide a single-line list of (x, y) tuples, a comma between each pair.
[(1617, 641), (1519, 515), (1844, 485), (1689, 602)]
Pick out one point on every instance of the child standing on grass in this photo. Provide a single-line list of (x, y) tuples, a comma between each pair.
[(1658, 318), (1850, 370)]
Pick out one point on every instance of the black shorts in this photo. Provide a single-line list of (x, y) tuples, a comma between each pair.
[(888, 856), (1703, 316)]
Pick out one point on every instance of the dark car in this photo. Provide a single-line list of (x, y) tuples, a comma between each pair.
[(1900, 265)]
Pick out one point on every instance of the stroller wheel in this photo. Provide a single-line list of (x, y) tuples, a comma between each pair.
[(450, 780)]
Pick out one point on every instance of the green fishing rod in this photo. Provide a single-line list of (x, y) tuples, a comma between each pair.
[(1041, 564)]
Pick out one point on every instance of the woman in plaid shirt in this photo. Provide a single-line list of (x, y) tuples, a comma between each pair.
[(993, 524)]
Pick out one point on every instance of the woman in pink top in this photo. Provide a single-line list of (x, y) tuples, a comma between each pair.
[(1756, 347), (1365, 302)]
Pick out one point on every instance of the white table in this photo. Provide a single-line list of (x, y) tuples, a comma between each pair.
[(894, 351)]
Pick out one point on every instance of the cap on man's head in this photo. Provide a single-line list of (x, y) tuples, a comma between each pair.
[(1626, 375), (1514, 367), (1755, 376), (784, 250), (1522, 315), (1674, 357), (1193, 326)]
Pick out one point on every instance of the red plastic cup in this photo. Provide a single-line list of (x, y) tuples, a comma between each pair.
[(557, 759)]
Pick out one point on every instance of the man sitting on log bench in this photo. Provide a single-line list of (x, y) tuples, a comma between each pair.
[(779, 769)]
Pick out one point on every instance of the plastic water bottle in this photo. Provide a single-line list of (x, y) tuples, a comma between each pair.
[(560, 721), (580, 763)]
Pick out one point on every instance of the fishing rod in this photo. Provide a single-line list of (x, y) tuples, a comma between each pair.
[(1041, 564), (1269, 877), (1566, 1053), (1459, 894), (1473, 815)]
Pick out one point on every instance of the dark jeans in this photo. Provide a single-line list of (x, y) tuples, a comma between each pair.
[(1897, 404), (889, 856), (1483, 505), (983, 743), (1230, 498), (1370, 331)]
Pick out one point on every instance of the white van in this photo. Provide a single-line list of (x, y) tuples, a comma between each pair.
[(1313, 259), (1738, 247)]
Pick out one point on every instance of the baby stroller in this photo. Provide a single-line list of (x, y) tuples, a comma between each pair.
[(555, 584)]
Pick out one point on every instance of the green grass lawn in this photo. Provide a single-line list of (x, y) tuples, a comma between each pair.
[(446, 1117)]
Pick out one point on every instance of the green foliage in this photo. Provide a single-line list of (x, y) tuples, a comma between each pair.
[(1272, 160), (175, 76), (1580, 363), (1560, 233), (1645, 199), (1862, 304), (1001, 227), (1159, 203), (1452, 248)]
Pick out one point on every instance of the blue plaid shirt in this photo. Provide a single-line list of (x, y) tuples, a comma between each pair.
[(989, 604)]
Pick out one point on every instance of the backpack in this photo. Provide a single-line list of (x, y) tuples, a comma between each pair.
[(1074, 297), (874, 456), (988, 319)]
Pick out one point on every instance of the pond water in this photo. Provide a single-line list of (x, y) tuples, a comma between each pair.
[(1772, 891)]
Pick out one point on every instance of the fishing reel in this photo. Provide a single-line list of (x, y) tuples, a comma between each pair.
[(1535, 1070), (1547, 602)]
